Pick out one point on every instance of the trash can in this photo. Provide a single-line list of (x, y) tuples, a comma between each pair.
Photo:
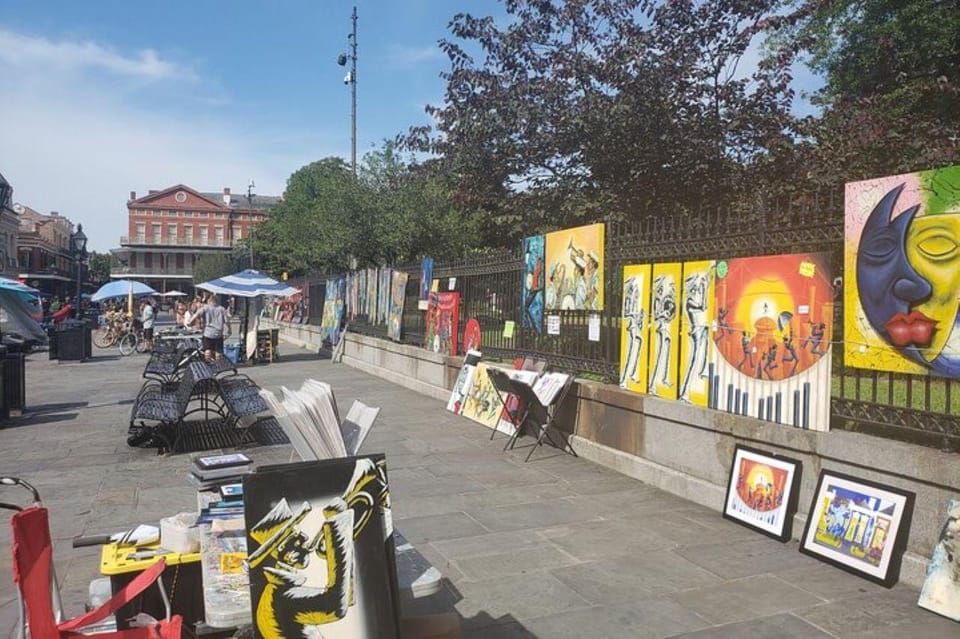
[(72, 340), (15, 383), (52, 342)]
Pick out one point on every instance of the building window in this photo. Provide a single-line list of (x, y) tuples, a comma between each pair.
[(141, 233), (188, 234), (218, 235), (155, 233), (204, 214), (172, 233), (203, 236)]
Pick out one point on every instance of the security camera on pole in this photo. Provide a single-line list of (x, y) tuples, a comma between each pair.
[(351, 79)]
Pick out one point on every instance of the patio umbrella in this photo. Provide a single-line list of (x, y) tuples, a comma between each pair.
[(121, 288), (248, 283), (173, 294), (26, 292)]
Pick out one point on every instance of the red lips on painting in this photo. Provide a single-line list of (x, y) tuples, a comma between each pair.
[(915, 328)]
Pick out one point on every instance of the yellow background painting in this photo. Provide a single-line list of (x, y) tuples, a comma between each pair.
[(481, 403), (665, 330), (635, 328), (695, 328), (564, 251)]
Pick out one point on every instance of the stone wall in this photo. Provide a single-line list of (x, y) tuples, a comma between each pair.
[(687, 450)]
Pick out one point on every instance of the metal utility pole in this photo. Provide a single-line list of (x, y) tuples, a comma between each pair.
[(351, 79)]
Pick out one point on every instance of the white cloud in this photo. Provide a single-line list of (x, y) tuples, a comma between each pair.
[(31, 52), (79, 135), (408, 56)]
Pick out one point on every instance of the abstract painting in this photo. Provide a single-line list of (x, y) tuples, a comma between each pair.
[(664, 330), (771, 340), (902, 273), (697, 303), (858, 525), (442, 323), (762, 492), (574, 277), (941, 589), (321, 560), (398, 292), (533, 280), (383, 295), (426, 278), (332, 309), (370, 309), (481, 403), (635, 328), (464, 381)]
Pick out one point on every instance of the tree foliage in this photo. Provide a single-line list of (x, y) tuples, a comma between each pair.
[(211, 266), (98, 267)]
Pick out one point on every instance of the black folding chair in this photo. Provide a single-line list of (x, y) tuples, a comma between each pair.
[(534, 411), (515, 411)]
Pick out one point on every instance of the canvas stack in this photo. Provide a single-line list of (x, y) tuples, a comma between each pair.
[(212, 471)]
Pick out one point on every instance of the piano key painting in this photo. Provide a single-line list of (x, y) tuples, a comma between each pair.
[(762, 492), (902, 264), (635, 328), (771, 340)]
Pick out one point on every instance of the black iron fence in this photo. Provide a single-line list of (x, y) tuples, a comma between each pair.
[(920, 409)]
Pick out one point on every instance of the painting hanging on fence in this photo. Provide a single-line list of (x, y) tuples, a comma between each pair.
[(902, 273), (383, 294), (442, 323), (574, 277), (664, 330), (481, 403), (771, 339), (762, 492), (464, 381), (635, 328), (332, 309), (426, 278), (858, 525), (398, 293), (941, 589), (697, 301), (533, 280), (321, 560), (369, 310)]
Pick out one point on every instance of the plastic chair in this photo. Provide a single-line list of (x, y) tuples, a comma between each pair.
[(39, 598)]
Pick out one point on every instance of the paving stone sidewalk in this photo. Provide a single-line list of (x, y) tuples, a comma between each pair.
[(557, 547)]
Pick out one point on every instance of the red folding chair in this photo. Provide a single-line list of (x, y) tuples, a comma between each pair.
[(40, 610)]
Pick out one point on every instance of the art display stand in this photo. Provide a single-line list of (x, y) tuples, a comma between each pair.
[(533, 410)]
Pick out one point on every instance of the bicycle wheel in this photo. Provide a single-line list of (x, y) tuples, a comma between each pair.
[(141, 345), (104, 338), (128, 343)]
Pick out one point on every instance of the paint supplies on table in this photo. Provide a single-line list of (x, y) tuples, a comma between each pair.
[(223, 549)]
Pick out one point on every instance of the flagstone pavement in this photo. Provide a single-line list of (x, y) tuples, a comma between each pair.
[(557, 547)]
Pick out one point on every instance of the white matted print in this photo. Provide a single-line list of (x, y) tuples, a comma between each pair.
[(762, 492)]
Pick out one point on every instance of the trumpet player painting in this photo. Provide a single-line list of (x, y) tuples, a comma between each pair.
[(575, 269)]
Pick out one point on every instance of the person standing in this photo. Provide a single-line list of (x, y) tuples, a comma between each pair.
[(215, 322), (147, 315)]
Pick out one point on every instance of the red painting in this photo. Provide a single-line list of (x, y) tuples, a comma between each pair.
[(442, 323), (759, 486)]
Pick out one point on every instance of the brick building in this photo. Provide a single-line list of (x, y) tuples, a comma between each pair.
[(9, 229), (45, 257), (169, 230)]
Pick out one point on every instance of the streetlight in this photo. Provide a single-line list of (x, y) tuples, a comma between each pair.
[(78, 241), (351, 79)]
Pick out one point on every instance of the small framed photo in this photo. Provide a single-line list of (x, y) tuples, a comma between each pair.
[(859, 526), (762, 492)]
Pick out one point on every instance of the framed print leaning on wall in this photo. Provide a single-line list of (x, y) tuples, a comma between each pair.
[(859, 526), (762, 492)]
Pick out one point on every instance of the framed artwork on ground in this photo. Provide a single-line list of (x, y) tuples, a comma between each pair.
[(762, 492), (859, 526), (941, 590)]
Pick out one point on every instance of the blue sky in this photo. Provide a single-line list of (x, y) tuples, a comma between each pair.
[(102, 98)]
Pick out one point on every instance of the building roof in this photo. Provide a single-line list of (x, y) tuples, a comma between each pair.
[(241, 201)]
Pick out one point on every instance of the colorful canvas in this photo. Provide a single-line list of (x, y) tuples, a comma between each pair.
[(664, 331), (859, 526), (575, 269), (533, 280), (332, 309), (635, 328), (762, 492), (383, 295), (481, 403), (771, 340), (442, 323), (902, 273), (426, 277), (464, 382), (941, 589), (321, 560), (696, 314), (370, 307), (398, 292)]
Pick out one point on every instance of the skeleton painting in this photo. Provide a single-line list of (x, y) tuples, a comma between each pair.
[(665, 325), (941, 590), (697, 304), (321, 550), (634, 345)]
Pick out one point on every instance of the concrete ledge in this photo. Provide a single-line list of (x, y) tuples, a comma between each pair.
[(413, 384)]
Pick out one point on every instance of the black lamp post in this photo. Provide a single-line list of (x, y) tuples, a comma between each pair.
[(78, 242)]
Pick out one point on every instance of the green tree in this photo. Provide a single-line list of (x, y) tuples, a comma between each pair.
[(98, 267), (211, 266)]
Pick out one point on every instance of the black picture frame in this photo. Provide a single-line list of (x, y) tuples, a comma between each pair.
[(818, 541), (778, 525)]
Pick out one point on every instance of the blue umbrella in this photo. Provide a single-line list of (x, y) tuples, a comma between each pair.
[(121, 288), (248, 283), (26, 292)]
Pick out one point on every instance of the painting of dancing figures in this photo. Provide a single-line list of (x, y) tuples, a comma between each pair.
[(697, 303), (666, 328), (321, 550), (634, 328)]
